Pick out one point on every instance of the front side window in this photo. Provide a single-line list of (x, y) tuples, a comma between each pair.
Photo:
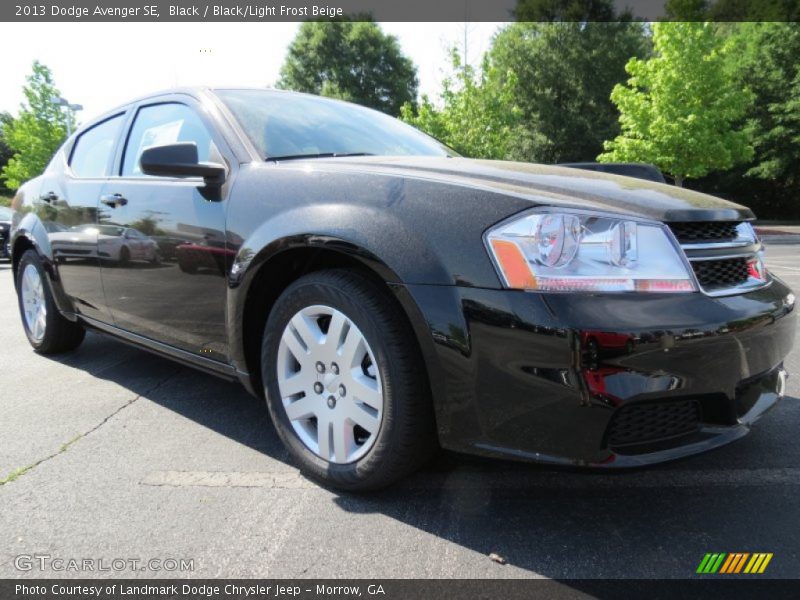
[(92, 151), (162, 124)]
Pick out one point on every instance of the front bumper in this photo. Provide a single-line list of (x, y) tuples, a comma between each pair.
[(601, 380)]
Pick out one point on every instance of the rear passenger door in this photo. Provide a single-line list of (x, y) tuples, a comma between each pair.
[(68, 209)]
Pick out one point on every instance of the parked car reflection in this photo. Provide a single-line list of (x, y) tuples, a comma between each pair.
[(111, 243), (614, 385), (203, 254)]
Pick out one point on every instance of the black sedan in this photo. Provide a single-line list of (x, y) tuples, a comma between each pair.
[(388, 297)]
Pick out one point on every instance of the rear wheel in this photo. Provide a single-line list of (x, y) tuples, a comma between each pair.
[(47, 330), (345, 385)]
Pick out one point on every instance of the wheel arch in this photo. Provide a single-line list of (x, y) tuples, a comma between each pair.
[(273, 269), (22, 243), (31, 234)]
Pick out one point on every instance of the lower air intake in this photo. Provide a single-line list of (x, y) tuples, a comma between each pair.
[(652, 422)]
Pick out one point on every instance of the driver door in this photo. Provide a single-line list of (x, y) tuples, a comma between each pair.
[(148, 290)]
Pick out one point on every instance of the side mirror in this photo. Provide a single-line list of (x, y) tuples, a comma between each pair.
[(180, 160)]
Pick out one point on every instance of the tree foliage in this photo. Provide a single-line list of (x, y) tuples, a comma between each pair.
[(680, 109), (768, 60), (565, 73), (350, 60), (687, 10), (733, 10), (37, 132), (5, 151), (477, 117)]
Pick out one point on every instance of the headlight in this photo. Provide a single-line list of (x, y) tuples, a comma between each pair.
[(567, 252)]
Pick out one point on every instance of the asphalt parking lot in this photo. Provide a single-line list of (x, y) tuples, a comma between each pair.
[(110, 452)]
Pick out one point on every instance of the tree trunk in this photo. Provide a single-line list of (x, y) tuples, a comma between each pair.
[(679, 180)]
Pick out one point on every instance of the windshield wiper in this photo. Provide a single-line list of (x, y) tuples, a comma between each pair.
[(318, 155)]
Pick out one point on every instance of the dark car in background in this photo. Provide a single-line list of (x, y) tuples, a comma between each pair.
[(387, 296), (5, 231)]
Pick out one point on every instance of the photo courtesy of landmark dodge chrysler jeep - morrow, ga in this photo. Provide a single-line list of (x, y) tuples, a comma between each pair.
[(388, 297)]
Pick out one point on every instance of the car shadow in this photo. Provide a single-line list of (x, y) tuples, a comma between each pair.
[(217, 404), (559, 523)]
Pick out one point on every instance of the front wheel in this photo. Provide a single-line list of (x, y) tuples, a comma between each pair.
[(124, 257), (345, 385), (48, 331)]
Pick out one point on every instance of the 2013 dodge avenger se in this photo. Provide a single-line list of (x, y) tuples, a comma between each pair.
[(387, 296)]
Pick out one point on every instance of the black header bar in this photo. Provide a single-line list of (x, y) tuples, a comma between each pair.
[(387, 10), (392, 589)]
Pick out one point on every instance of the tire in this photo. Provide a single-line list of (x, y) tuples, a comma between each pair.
[(50, 332), (400, 435), (124, 257)]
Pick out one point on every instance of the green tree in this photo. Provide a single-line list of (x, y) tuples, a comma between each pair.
[(565, 73), (681, 110), (478, 117), (768, 60), (687, 10), (350, 60), (5, 151), (37, 132), (733, 10)]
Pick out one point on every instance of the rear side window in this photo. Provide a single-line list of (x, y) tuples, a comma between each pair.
[(162, 124), (93, 149)]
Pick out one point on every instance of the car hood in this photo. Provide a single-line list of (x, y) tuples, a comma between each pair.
[(551, 185)]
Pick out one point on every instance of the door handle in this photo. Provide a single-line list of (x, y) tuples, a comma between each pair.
[(113, 200), (48, 197)]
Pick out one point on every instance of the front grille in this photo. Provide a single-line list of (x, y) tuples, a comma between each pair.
[(720, 253), (723, 273), (699, 232), (647, 423)]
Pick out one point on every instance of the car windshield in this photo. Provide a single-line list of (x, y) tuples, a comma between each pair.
[(5, 213), (283, 125)]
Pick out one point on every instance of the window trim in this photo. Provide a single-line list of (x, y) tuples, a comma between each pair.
[(109, 167), (189, 103)]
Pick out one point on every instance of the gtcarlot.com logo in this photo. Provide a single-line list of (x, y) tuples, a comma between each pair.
[(725, 563), (46, 562)]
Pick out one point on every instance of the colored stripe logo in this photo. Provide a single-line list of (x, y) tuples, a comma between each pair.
[(734, 562)]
